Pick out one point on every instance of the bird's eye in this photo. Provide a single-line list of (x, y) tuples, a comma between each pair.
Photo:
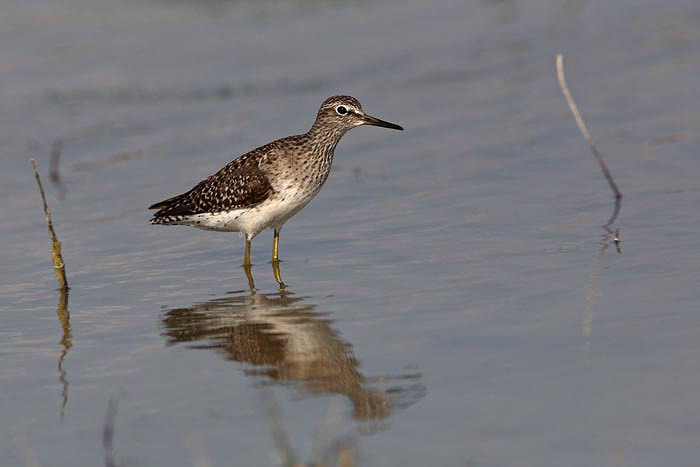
[(341, 109)]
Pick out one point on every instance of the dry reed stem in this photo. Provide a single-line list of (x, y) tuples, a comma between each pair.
[(58, 264), (582, 127)]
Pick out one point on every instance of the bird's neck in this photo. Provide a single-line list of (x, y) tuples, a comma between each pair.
[(325, 139), (321, 129)]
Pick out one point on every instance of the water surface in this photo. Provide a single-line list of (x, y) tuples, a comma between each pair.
[(453, 289)]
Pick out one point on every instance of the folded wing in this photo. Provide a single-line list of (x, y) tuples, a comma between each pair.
[(240, 184)]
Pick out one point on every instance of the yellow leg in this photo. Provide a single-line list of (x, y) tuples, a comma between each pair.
[(276, 246), (246, 258)]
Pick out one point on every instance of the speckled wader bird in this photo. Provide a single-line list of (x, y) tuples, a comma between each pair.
[(267, 186)]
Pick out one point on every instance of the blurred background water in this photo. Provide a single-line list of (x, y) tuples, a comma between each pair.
[(452, 287)]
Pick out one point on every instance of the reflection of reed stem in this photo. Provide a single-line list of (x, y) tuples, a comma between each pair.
[(108, 432), (284, 451), (608, 232), (54, 175), (582, 126), (66, 342), (591, 290), (58, 264), (328, 447), (616, 239)]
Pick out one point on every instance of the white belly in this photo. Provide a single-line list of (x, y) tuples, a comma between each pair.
[(272, 212)]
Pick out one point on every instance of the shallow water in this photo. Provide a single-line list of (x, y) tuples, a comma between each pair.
[(453, 291)]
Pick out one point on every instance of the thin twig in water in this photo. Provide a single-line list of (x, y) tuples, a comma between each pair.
[(108, 431), (582, 126), (58, 264)]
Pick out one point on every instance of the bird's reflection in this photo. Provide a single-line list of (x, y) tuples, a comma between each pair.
[(287, 341)]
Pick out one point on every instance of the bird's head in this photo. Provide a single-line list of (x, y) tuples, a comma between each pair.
[(344, 113)]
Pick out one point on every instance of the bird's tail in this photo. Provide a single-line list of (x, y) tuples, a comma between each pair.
[(171, 211)]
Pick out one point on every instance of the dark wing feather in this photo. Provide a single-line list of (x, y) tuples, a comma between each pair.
[(240, 184)]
